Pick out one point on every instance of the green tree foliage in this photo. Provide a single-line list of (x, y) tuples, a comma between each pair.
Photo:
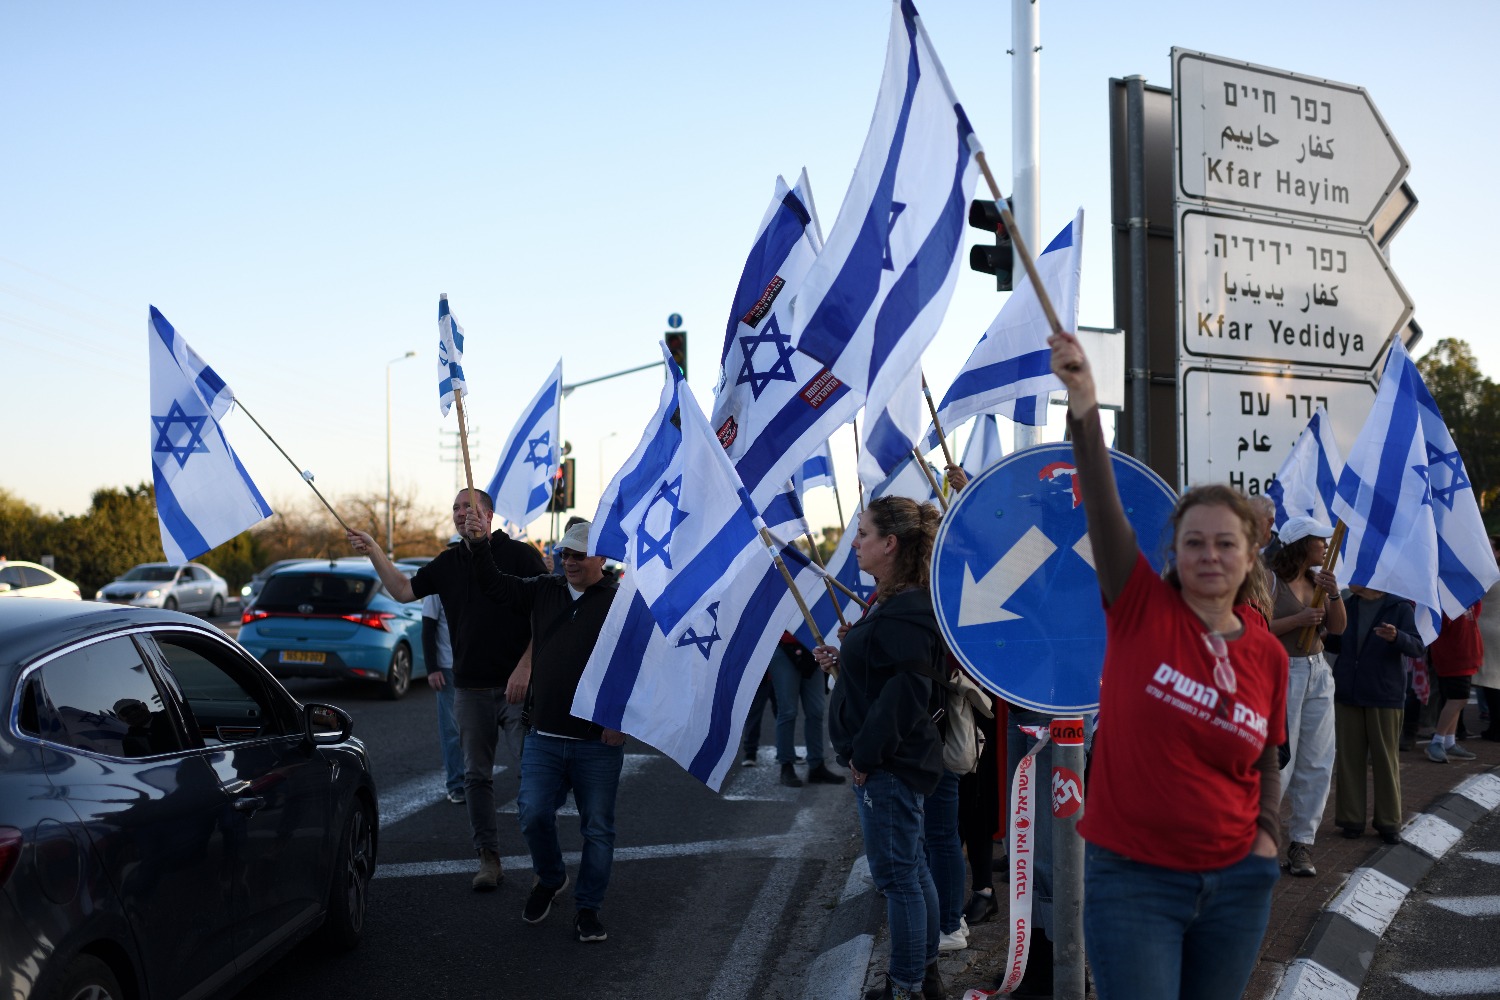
[(1469, 403)]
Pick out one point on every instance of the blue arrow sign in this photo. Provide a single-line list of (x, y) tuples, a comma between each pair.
[(1013, 575)]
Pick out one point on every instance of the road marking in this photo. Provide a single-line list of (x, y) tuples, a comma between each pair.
[(747, 955), (982, 601), (415, 794), (761, 783), (1482, 789), (1307, 980), (1470, 906), (1488, 857), (1370, 899), (1430, 834), (859, 880), (839, 971), (1454, 982)]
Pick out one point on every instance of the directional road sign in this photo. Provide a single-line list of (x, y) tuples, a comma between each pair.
[(1258, 290), (1013, 576), (1266, 139)]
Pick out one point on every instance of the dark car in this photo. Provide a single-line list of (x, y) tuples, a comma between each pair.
[(171, 819), (250, 590)]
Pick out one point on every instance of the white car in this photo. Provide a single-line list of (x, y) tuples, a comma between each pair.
[(189, 587), (25, 579)]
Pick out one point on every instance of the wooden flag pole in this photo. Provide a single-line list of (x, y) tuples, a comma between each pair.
[(786, 575), (1021, 250), (306, 477), (927, 471), (817, 556), (1309, 632), (858, 481), (463, 441), (932, 409)]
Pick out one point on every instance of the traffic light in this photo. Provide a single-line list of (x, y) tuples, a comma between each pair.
[(562, 488), (677, 344), (998, 259)]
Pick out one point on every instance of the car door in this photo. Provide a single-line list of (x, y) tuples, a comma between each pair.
[(153, 810), (199, 592), (282, 790)]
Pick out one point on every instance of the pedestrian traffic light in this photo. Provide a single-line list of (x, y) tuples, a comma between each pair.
[(998, 259), (562, 488), (677, 344)]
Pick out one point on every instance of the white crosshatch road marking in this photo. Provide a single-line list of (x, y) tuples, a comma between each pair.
[(1455, 982)]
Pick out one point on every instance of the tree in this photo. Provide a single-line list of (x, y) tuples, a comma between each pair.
[(1468, 402)]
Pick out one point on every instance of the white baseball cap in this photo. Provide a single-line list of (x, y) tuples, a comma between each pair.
[(1302, 526), (576, 538)]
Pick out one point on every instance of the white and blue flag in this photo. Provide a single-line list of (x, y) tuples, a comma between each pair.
[(1414, 528), (1010, 369), (875, 297), (774, 404), (677, 514), (450, 357), (1306, 481), (983, 448), (204, 496), (522, 482), (817, 470)]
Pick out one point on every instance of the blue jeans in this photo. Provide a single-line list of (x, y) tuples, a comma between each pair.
[(550, 766), (1154, 932), (791, 687), (945, 853), (453, 755), (750, 740), (890, 817)]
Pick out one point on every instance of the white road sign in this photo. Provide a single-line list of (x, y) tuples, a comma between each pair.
[(1271, 140), (1237, 427), (1285, 294)]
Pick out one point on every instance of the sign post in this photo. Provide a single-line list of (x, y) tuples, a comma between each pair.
[(1067, 858)]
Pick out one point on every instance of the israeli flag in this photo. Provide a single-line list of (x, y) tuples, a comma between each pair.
[(817, 470), (1306, 481), (677, 514), (688, 696), (983, 448), (877, 293), (1414, 527), (450, 357), (1010, 369), (774, 404), (523, 477), (204, 496)]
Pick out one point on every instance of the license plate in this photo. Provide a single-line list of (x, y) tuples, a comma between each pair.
[(302, 656)]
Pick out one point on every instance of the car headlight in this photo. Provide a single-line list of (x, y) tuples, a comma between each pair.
[(153, 593), (99, 595), (245, 590)]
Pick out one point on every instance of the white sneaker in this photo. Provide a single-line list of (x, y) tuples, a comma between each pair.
[(957, 941)]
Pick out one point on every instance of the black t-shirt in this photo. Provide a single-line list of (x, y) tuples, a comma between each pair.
[(488, 639)]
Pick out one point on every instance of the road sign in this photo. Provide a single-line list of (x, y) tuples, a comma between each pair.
[(1013, 576), (1237, 427), (1271, 140), (1258, 290), (674, 321)]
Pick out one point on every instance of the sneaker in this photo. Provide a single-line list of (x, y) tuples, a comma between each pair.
[(1299, 860), (457, 796), (956, 941), (789, 776), (1436, 754), (489, 874), (980, 908), (748, 760), (539, 903), (588, 928), (1456, 752), (819, 774)]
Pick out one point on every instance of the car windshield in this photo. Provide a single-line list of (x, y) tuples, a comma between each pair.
[(151, 574), (317, 593)]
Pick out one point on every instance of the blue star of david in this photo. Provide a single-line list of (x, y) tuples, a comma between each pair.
[(650, 547), (1426, 473), (194, 443), (705, 643), (544, 457), (897, 207), (781, 368), (1457, 480)]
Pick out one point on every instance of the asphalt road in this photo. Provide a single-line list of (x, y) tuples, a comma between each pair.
[(710, 895)]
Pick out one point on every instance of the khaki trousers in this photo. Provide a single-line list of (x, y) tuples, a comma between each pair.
[(1361, 733)]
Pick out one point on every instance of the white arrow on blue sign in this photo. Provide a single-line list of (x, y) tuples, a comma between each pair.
[(1013, 576)]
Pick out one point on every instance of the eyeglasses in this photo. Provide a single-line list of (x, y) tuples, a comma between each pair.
[(567, 554), (1224, 678)]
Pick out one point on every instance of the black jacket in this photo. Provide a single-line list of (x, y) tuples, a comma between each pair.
[(879, 718), (487, 641), (1368, 672)]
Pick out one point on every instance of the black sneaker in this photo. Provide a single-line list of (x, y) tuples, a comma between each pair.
[(749, 759), (980, 908), (588, 928), (820, 775), (789, 776), (539, 903)]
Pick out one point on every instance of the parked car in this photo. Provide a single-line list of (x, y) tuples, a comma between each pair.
[(25, 579), (189, 587), (173, 820), (335, 619), (249, 591)]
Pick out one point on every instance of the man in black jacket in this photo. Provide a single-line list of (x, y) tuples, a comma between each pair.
[(487, 644), (563, 751)]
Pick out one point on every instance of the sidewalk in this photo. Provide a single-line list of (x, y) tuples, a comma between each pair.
[(1296, 904)]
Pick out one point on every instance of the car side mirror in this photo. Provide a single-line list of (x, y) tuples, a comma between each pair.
[(326, 725)]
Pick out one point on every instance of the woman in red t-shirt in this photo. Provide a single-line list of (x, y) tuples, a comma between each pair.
[(1181, 815)]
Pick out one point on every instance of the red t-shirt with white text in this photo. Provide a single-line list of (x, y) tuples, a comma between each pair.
[(1173, 781)]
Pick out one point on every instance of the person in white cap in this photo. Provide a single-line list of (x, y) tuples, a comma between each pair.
[(1297, 570)]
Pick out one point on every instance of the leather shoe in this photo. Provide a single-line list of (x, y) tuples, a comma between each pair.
[(789, 776), (980, 908), (820, 775)]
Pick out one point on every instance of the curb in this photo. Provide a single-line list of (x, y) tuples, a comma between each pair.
[(848, 942), (1336, 956)]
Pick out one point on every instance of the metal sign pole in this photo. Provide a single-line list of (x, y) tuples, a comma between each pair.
[(1067, 858)]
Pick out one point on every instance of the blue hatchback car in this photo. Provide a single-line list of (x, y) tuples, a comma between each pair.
[(335, 619)]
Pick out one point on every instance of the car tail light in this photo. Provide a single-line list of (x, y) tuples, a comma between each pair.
[(251, 615), (10, 851), (374, 619)]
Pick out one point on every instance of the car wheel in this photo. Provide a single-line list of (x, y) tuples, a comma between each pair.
[(349, 895), (217, 607), (398, 674), (170, 604), (88, 978)]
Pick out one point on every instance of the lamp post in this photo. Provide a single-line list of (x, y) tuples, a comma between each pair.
[(390, 545)]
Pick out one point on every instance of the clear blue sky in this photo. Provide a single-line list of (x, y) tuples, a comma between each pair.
[(293, 184)]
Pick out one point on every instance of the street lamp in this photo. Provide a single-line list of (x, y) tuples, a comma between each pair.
[(390, 545)]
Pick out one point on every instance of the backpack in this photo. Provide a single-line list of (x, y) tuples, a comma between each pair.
[(963, 741)]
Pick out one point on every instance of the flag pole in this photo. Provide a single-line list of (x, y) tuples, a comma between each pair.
[(942, 500), (812, 543), (858, 481), (1021, 250), (942, 439), (837, 502), (306, 477), (1305, 637), (463, 441), (765, 536)]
